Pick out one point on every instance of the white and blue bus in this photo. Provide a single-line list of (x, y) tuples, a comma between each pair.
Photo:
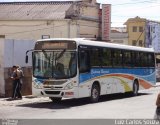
[(76, 68)]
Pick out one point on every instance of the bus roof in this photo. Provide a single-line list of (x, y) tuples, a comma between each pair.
[(83, 41)]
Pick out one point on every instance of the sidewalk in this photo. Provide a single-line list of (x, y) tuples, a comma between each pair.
[(24, 97)]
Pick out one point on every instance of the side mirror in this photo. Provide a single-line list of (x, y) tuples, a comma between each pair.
[(26, 58), (27, 55)]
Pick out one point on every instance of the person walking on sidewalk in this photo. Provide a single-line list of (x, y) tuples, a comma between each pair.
[(16, 83), (20, 77)]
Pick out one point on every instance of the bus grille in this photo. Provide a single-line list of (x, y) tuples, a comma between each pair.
[(54, 82), (53, 92)]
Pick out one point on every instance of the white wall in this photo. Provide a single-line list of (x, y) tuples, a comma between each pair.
[(120, 38), (15, 52), (35, 29)]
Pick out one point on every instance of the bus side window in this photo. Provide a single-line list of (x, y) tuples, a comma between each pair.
[(127, 58), (136, 58), (117, 58), (106, 57), (151, 61), (84, 62)]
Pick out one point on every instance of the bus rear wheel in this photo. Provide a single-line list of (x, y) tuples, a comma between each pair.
[(95, 93), (135, 88), (56, 99)]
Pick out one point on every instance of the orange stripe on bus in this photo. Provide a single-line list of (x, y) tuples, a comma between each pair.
[(145, 84), (123, 75)]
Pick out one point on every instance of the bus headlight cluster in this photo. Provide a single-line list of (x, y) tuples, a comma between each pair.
[(37, 85), (69, 85)]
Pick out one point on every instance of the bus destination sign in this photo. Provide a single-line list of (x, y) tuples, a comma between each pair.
[(49, 45), (57, 45)]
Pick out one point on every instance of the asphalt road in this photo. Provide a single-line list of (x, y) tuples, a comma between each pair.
[(118, 106)]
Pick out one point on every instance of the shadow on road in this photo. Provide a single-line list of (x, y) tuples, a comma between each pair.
[(67, 103)]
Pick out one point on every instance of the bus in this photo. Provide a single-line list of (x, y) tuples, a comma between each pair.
[(77, 68)]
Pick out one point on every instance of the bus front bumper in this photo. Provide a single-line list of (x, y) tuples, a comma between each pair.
[(64, 93), (56, 93)]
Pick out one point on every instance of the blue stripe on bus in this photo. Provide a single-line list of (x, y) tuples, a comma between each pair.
[(147, 74)]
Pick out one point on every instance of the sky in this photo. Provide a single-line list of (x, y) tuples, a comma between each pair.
[(121, 10)]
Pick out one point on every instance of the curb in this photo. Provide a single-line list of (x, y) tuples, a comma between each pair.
[(30, 96)]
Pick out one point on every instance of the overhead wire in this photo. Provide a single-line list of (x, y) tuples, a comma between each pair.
[(132, 3), (140, 8), (147, 4)]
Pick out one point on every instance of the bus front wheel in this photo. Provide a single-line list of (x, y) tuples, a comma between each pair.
[(56, 99), (95, 93)]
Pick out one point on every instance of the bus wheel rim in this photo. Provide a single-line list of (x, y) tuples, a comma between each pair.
[(135, 88), (95, 93)]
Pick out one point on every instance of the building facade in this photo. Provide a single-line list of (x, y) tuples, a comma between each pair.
[(119, 35), (143, 32), (37, 20), (136, 31), (152, 36)]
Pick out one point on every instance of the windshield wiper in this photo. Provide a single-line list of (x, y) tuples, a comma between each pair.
[(60, 55)]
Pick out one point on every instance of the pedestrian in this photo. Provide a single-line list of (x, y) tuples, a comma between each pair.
[(157, 114), (20, 76), (16, 83)]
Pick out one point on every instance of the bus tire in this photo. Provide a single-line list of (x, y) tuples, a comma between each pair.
[(135, 88), (56, 99), (95, 93)]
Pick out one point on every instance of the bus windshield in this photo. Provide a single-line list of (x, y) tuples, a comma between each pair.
[(57, 64)]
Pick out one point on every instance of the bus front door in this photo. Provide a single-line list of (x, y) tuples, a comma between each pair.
[(84, 73)]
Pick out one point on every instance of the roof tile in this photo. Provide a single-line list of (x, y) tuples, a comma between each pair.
[(34, 10)]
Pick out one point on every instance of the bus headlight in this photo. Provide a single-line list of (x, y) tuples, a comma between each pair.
[(40, 86), (69, 86), (37, 86)]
